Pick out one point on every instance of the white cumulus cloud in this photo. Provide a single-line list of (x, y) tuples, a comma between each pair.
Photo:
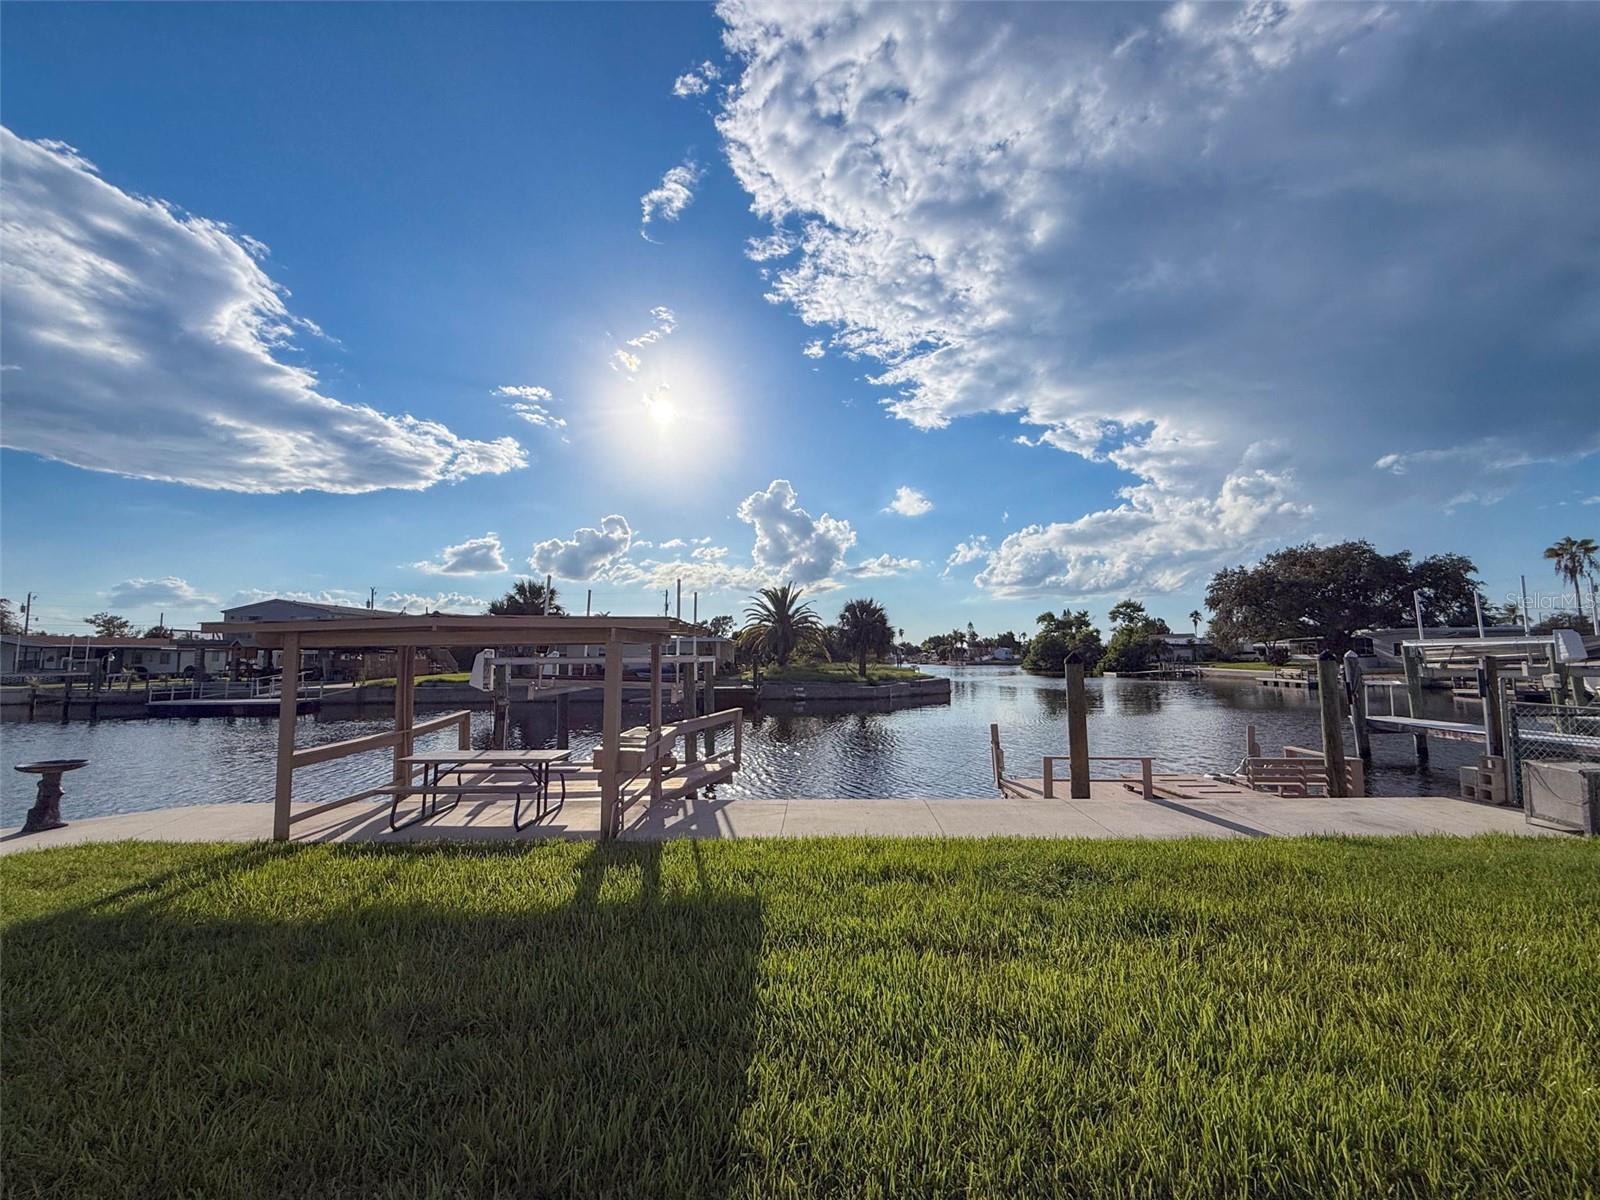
[(909, 502), (475, 556), (152, 343), (1156, 236), (587, 554), (790, 543)]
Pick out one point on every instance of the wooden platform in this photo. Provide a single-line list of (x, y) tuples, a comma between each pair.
[(1107, 815)]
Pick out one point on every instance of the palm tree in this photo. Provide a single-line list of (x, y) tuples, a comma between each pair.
[(1194, 619), (779, 624), (526, 599), (1574, 558), (864, 628)]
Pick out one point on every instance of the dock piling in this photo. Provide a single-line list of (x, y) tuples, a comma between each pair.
[(1077, 727), (1329, 699), (1356, 686), (1411, 660)]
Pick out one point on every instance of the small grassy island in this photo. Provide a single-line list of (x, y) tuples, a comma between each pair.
[(807, 1018)]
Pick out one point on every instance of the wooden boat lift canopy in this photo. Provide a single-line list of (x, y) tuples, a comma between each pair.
[(402, 632)]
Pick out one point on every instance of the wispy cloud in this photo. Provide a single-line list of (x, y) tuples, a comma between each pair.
[(667, 200), (166, 592), (152, 343), (696, 82), (531, 403)]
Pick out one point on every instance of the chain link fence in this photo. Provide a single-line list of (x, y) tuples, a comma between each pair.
[(1549, 733)]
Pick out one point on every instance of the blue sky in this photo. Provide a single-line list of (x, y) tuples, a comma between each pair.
[(1106, 297)]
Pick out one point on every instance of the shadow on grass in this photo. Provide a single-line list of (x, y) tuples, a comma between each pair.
[(579, 1027)]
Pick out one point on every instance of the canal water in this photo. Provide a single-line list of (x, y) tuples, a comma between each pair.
[(935, 751)]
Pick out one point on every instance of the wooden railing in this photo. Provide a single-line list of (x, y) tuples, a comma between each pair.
[(1147, 787), (646, 759), (267, 687), (395, 738), (1300, 772)]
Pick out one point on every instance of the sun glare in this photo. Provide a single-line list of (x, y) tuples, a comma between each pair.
[(658, 404)]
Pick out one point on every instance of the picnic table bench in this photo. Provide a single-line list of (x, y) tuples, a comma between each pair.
[(535, 767)]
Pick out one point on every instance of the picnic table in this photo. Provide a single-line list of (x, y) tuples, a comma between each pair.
[(534, 766)]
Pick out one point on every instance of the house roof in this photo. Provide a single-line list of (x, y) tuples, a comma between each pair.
[(380, 632), (333, 610), (40, 640)]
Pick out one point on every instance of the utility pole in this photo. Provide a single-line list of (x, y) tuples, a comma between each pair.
[(372, 598)]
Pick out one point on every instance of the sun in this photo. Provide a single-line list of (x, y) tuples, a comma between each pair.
[(658, 406)]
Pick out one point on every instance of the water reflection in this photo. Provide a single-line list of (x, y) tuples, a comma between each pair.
[(941, 750)]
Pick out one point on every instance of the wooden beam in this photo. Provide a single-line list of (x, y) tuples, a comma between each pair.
[(611, 742), (288, 709)]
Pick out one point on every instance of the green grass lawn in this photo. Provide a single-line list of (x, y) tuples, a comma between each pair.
[(1239, 666), (835, 673), (1407, 1017)]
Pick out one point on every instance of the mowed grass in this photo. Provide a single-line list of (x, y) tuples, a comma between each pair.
[(805, 1018)]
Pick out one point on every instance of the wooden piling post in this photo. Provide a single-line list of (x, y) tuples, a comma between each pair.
[(1329, 700), (708, 705), (1411, 660), (501, 678), (998, 757), (563, 722), (1355, 682), (1077, 727)]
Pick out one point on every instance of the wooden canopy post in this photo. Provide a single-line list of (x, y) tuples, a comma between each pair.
[(611, 740), (405, 695), (1329, 700), (1077, 727), (288, 708), (655, 717)]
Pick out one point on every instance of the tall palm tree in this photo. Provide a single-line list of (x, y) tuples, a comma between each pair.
[(864, 628), (1194, 619), (526, 599), (1574, 558), (779, 624)]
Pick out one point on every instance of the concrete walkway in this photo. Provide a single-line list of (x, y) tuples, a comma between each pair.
[(1111, 813)]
